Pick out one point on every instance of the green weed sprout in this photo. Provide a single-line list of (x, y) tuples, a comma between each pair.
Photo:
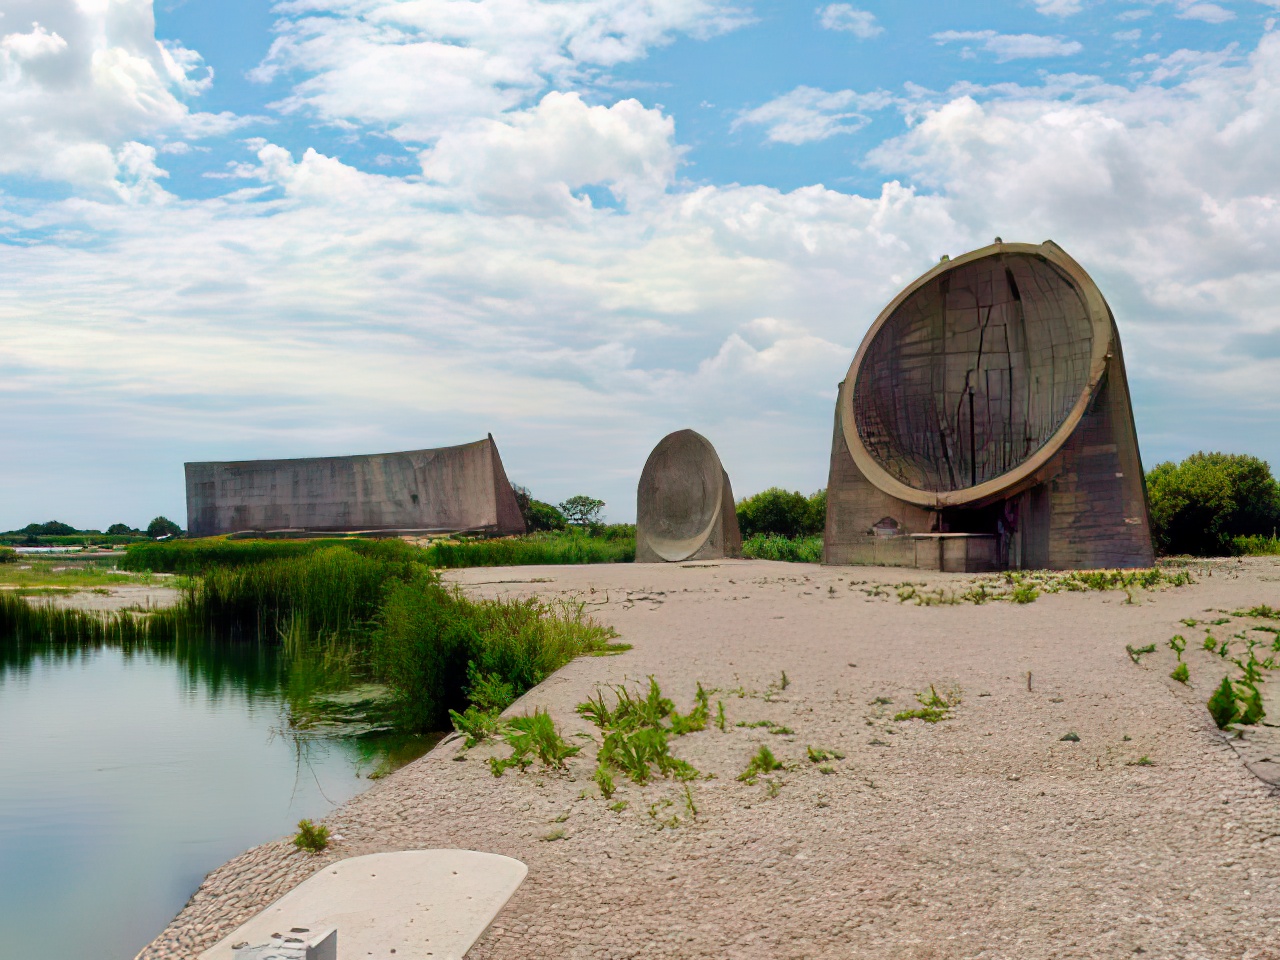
[(310, 837), (1137, 653), (1181, 673), (933, 708), (537, 735), (763, 762)]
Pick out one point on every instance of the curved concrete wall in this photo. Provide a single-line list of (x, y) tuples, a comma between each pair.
[(684, 503), (447, 489)]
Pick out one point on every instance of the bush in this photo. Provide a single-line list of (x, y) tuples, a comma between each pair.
[(1202, 505), (162, 527), (121, 530), (782, 513), (538, 516), (764, 546), (581, 510), (8, 555), (54, 528)]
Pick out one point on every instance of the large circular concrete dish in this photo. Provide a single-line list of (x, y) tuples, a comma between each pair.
[(973, 377), (680, 495)]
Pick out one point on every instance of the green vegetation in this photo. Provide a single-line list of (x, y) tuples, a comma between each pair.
[(636, 740), (581, 510), (1024, 593), (163, 527), (1071, 737), (530, 736), (348, 611), (933, 707), (763, 762), (537, 515), (1025, 586), (1181, 673), (1214, 504), (561, 547), (8, 555), (772, 546), (1142, 761), (1137, 653), (55, 533), (819, 755), (782, 513), (310, 837)]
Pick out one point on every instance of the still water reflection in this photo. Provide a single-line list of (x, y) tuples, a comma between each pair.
[(126, 776)]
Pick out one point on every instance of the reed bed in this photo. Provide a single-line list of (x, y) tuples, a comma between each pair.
[(197, 556), (770, 546)]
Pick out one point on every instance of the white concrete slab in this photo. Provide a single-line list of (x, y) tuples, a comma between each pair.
[(411, 905)]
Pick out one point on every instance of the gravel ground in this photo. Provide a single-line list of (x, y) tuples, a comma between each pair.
[(984, 835)]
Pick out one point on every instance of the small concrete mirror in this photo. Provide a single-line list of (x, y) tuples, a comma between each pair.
[(684, 504)]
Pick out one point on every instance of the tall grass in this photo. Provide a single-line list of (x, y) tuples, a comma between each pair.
[(342, 613), (770, 546), (197, 556), (1257, 546), (537, 548)]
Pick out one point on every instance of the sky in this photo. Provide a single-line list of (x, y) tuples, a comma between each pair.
[(231, 229)]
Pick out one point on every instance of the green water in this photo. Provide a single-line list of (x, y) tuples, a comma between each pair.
[(125, 777)]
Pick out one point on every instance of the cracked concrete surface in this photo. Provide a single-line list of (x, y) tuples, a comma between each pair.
[(985, 835)]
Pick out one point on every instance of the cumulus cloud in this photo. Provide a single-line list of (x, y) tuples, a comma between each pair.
[(548, 276), (847, 18), (1206, 12), (417, 69), (82, 83), (1011, 46), (1059, 8), (808, 114)]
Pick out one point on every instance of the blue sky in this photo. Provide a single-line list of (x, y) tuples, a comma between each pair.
[(236, 229)]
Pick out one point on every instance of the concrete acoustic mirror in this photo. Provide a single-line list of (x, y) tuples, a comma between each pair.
[(985, 424), (684, 504)]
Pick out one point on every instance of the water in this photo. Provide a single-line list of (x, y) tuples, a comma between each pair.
[(125, 777)]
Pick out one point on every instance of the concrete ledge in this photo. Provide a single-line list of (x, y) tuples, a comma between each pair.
[(414, 904)]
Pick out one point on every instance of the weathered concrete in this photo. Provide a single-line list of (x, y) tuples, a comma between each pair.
[(990, 398), (447, 489), (415, 903), (684, 503)]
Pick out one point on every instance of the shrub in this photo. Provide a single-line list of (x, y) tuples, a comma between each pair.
[(162, 527), (536, 514), (121, 530), (784, 513), (582, 510), (770, 546), (52, 528), (311, 838), (1202, 505), (8, 555)]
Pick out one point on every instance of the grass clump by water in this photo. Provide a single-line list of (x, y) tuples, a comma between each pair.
[(197, 556), (772, 546), (310, 837), (533, 736)]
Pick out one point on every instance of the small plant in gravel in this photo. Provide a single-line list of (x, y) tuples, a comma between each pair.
[(1181, 673), (1260, 612), (720, 717), (1070, 737), (1025, 593), (933, 707), (772, 787), (763, 762), (604, 780), (619, 805), (819, 755), (635, 735), (1178, 644), (553, 836), (529, 736), (1137, 653), (1143, 761), (1222, 704), (475, 725), (310, 837)]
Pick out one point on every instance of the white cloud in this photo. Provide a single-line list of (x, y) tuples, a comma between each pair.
[(1207, 12), (83, 84), (1059, 8), (1012, 46), (807, 114), (1127, 36), (845, 17), (417, 69), (319, 308)]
